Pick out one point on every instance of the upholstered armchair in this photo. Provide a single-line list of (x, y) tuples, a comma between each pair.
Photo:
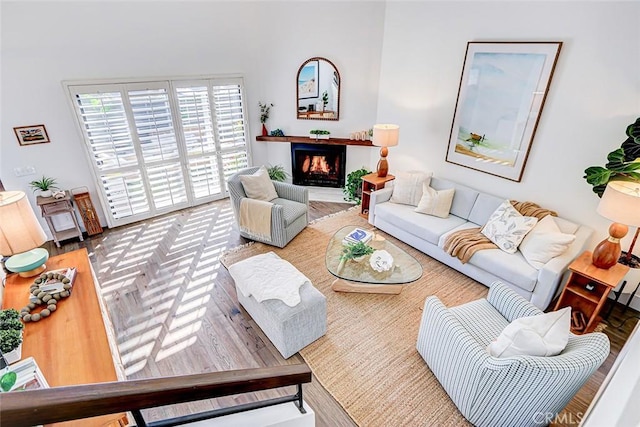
[(289, 213), (511, 391)]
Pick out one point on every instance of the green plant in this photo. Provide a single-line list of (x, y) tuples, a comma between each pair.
[(355, 250), (10, 339), (43, 184), (277, 173), (319, 132), (353, 187), (325, 98), (264, 111), (276, 132), (623, 164)]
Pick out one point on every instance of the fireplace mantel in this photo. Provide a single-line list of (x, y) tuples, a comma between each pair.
[(307, 140)]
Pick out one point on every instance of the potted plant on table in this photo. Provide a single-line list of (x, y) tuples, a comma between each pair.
[(11, 335), (45, 185), (354, 251)]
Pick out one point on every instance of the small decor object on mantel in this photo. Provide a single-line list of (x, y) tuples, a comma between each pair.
[(264, 116), (45, 185), (31, 135), (319, 134)]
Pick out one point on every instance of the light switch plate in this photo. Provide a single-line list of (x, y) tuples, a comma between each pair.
[(24, 170)]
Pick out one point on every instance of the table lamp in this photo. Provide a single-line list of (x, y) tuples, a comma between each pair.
[(620, 202), (21, 235), (385, 136)]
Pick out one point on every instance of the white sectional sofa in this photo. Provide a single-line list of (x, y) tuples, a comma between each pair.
[(472, 208)]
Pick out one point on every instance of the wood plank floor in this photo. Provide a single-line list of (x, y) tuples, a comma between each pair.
[(175, 312)]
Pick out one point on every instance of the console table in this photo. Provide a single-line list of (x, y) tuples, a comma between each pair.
[(50, 207), (75, 345)]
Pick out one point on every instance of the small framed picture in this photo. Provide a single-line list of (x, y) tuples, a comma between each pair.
[(30, 135)]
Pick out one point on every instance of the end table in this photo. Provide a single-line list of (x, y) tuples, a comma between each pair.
[(587, 289), (371, 182), (50, 207)]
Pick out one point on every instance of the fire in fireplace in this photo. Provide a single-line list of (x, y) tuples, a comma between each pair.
[(318, 165)]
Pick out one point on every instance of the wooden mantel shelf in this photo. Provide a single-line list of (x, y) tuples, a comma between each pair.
[(307, 140)]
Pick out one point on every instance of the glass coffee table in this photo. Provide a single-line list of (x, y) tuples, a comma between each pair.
[(362, 275)]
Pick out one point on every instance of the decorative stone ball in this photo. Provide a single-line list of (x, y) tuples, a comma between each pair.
[(35, 317), (45, 313)]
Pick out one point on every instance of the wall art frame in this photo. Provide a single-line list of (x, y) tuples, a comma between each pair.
[(308, 76), (31, 135), (503, 88)]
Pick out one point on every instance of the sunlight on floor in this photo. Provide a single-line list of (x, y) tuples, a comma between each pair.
[(166, 268)]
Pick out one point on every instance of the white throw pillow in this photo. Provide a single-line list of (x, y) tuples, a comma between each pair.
[(407, 187), (542, 335), (436, 203), (259, 186), (506, 227), (544, 242)]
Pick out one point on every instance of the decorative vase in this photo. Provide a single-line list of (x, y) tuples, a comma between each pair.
[(265, 132), (14, 355), (46, 193)]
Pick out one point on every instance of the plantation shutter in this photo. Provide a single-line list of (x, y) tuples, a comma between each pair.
[(161, 146)]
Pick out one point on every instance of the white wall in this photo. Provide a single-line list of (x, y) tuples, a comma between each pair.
[(45, 43), (594, 94)]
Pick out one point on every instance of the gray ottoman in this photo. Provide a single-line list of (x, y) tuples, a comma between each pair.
[(289, 328)]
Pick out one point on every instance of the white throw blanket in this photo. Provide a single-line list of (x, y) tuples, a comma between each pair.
[(255, 218), (267, 276)]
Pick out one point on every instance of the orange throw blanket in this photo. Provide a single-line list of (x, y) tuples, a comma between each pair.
[(464, 243)]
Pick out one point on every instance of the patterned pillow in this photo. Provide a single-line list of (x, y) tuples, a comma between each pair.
[(506, 227), (407, 187)]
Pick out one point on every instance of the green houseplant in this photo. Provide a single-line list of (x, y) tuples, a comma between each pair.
[(45, 185), (623, 164), (11, 335), (264, 116), (353, 187), (354, 251), (277, 173), (325, 100)]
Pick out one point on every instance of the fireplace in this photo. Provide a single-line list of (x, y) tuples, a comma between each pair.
[(318, 165)]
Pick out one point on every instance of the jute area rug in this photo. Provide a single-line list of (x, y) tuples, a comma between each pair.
[(368, 359)]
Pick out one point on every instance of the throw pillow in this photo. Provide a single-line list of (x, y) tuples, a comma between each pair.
[(407, 187), (436, 203), (259, 186), (506, 227), (542, 335), (544, 242)]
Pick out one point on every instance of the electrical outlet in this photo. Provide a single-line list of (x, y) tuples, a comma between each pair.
[(24, 171)]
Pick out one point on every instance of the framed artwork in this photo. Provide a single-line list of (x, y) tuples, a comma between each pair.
[(308, 80), (502, 91), (30, 135)]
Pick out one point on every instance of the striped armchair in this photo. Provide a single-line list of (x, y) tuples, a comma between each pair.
[(512, 391), (289, 214)]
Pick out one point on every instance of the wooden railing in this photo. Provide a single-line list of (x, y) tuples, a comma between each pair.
[(28, 408)]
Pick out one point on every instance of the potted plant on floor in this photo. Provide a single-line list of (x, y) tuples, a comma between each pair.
[(45, 185), (353, 187), (277, 173), (11, 335)]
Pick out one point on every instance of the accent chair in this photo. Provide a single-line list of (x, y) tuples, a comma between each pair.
[(511, 391), (289, 214)]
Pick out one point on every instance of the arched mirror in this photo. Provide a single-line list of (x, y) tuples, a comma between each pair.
[(318, 90)]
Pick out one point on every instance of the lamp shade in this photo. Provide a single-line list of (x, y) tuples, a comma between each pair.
[(620, 202), (20, 230), (386, 135)]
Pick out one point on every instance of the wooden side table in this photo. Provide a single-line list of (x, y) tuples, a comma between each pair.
[(371, 182), (50, 207), (588, 288)]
